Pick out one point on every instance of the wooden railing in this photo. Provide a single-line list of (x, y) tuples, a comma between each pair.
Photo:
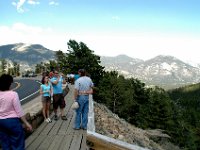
[(97, 141)]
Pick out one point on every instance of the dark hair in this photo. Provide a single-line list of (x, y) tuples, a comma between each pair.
[(82, 72), (43, 78), (5, 82), (55, 71)]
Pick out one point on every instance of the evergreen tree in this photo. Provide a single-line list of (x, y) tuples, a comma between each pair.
[(16, 69), (61, 61), (80, 56), (156, 112), (4, 65)]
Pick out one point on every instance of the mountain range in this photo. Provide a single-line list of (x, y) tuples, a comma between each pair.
[(164, 71)]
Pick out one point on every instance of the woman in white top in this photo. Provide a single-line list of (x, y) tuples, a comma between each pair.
[(46, 90)]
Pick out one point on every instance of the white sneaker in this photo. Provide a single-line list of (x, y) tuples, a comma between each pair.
[(49, 120)]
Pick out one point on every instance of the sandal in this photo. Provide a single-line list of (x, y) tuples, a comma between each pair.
[(64, 118)]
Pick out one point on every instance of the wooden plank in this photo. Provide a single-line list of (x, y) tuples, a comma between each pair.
[(76, 142), (55, 144), (36, 143), (47, 129), (102, 142), (83, 142), (63, 128), (39, 129), (46, 143), (70, 129), (69, 103), (56, 127), (66, 142), (65, 125), (42, 126), (102, 145), (29, 140)]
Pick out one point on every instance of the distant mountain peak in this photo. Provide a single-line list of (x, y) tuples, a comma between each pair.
[(20, 47), (26, 53), (165, 57), (122, 55)]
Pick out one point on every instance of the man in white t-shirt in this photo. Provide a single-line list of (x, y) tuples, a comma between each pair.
[(83, 87)]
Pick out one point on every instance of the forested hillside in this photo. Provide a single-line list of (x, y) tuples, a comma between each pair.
[(176, 112), (187, 104)]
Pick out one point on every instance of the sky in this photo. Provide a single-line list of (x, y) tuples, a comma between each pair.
[(138, 28)]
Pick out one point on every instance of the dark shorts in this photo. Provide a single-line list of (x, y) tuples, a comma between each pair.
[(46, 99), (58, 100)]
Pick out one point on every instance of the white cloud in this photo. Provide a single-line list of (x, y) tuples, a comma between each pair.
[(137, 45), (116, 18), (19, 5), (14, 3), (53, 3), (20, 32), (33, 2), (143, 46)]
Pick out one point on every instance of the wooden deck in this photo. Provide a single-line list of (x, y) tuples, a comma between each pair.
[(58, 135)]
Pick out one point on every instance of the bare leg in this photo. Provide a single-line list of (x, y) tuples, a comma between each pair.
[(44, 110), (62, 111), (47, 108)]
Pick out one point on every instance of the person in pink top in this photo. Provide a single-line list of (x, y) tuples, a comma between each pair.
[(11, 130)]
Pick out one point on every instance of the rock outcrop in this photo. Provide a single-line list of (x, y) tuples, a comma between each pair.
[(111, 125)]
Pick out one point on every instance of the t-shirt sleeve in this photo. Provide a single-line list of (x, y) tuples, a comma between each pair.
[(17, 106)]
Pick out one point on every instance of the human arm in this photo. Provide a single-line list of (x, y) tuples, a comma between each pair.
[(41, 91), (27, 124), (75, 94), (89, 91), (51, 90), (55, 80), (19, 112)]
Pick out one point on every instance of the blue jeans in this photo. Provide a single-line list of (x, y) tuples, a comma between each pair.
[(81, 119), (11, 134)]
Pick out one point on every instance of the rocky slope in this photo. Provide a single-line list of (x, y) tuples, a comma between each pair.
[(111, 125)]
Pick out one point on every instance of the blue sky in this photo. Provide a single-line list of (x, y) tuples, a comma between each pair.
[(138, 28)]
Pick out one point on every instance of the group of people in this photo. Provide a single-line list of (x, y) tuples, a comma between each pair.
[(11, 130), (53, 87)]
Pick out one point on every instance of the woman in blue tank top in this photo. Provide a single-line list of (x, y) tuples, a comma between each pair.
[(46, 91)]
